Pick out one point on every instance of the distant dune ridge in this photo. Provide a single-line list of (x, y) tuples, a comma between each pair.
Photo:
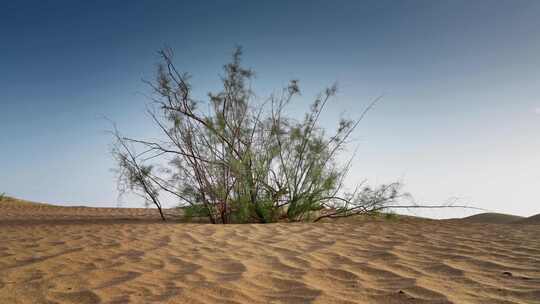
[(501, 218), (16, 210), (7, 201), (494, 218), (52, 254), (535, 219)]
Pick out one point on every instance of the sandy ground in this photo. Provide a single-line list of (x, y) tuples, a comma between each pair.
[(90, 255)]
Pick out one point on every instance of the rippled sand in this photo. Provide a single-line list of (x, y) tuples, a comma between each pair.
[(115, 260)]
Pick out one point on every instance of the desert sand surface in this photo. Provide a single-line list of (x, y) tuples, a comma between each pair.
[(52, 254)]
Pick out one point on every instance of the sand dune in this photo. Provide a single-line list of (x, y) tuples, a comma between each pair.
[(19, 211), (10, 202), (500, 218), (494, 218), (135, 261), (535, 219)]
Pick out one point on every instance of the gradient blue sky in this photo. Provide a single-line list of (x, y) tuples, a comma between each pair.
[(460, 116)]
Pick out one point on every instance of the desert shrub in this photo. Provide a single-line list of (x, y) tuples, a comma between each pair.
[(384, 214), (236, 160), (194, 211), (391, 216), (2, 196)]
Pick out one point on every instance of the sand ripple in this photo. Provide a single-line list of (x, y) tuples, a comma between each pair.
[(365, 262)]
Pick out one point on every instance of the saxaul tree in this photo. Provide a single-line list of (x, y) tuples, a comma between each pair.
[(235, 160)]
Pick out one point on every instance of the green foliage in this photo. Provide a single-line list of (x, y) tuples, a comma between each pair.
[(2, 196), (237, 161), (386, 215), (391, 216), (195, 211)]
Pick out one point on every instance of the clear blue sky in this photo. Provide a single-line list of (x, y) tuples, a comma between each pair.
[(460, 116)]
